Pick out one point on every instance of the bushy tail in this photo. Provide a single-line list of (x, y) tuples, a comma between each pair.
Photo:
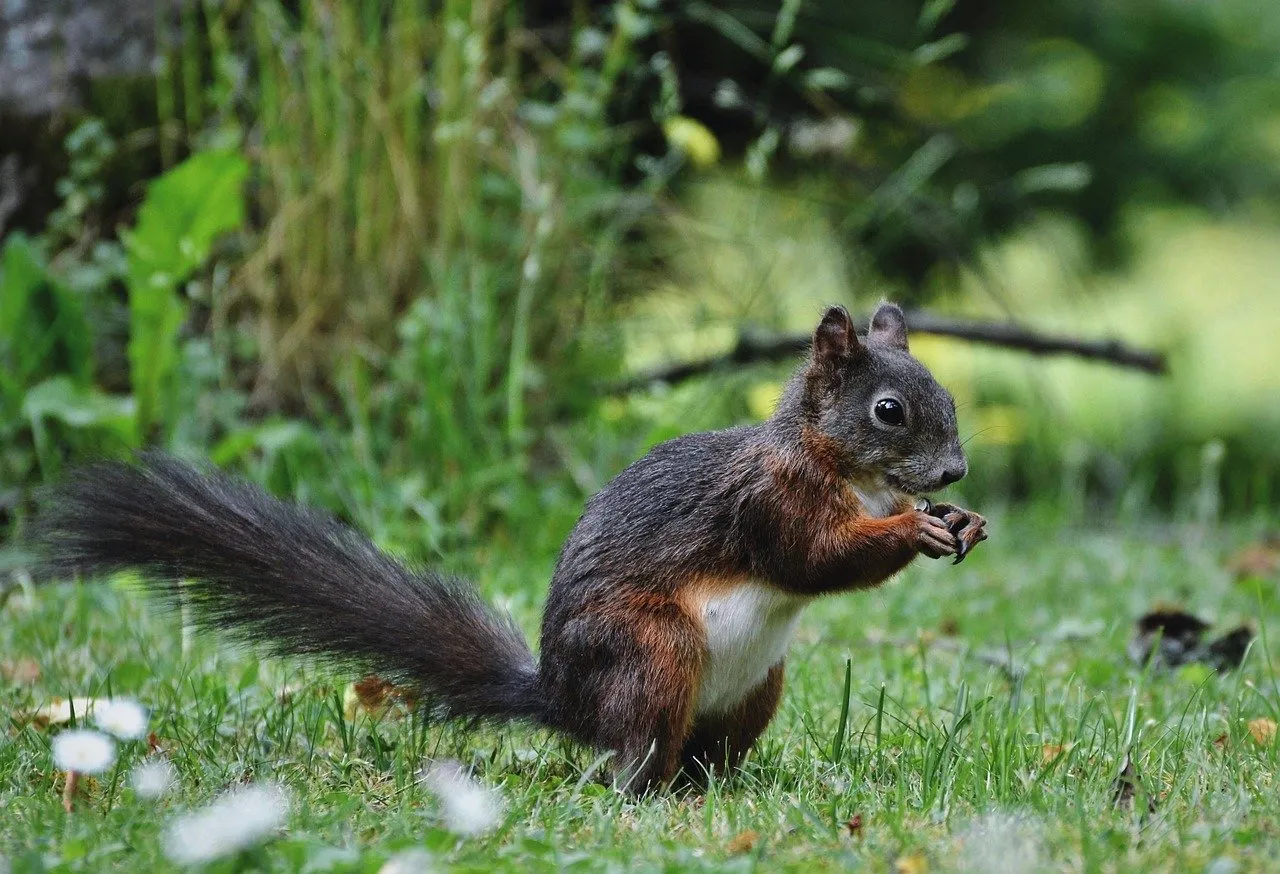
[(290, 578)]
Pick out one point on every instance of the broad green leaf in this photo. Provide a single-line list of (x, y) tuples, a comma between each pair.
[(77, 406), (185, 211), (20, 276), (270, 437), (43, 329)]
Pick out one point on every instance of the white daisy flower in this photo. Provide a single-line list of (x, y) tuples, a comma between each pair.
[(83, 751), (412, 861), (467, 807), (234, 821), (1001, 843), (122, 717), (152, 778)]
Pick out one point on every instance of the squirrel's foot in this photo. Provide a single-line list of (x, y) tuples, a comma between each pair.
[(933, 537), (968, 528)]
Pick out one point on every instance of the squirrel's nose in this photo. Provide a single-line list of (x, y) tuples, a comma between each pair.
[(953, 474)]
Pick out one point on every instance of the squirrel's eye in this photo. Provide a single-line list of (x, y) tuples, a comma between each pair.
[(890, 412)]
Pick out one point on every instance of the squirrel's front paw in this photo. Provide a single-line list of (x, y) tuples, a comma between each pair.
[(968, 528), (933, 537)]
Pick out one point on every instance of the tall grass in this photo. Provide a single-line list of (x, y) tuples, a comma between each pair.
[(439, 208)]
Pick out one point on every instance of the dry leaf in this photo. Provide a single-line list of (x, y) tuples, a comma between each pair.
[(1049, 752), (377, 697), (59, 710), (1263, 730), (1257, 560), (743, 842), (22, 672), (1221, 741), (1227, 652), (1169, 637), (913, 864)]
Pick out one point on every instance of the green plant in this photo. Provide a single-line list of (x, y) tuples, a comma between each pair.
[(184, 213), (45, 353), (441, 209), (52, 407)]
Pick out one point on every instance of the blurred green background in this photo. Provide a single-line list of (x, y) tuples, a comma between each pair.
[(389, 255)]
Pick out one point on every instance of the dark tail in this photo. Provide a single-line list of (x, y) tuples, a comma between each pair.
[(290, 578)]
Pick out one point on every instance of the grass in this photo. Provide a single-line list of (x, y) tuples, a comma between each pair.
[(946, 759)]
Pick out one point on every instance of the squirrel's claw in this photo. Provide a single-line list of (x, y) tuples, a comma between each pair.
[(972, 534), (968, 528)]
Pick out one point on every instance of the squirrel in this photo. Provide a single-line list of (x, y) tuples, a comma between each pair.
[(673, 600)]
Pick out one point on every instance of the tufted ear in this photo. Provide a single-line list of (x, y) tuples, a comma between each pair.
[(889, 326), (834, 341)]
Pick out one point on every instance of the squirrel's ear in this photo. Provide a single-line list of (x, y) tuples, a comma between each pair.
[(889, 326), (834, 342)]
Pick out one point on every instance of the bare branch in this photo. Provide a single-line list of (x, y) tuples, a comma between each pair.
[(754, 350)]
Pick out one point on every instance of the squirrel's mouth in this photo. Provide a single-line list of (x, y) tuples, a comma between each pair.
[(897, 484), (912, 489)]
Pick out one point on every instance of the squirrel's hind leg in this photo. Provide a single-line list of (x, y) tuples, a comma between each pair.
[(644, 700), (719, 742)]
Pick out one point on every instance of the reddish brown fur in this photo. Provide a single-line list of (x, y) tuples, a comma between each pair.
[(655, 688), (832, 544)]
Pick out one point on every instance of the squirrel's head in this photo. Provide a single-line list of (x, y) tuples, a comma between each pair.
[(878, 408)]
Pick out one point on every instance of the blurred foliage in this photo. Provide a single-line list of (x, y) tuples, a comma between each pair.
[(51, 405), (935, 126), (185, 212), (398, 244), (1085, 435)]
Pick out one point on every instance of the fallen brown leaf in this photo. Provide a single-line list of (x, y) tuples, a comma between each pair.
[(1049, 752), (1263, 730), (1257, 560), (22, 672), (60, 710), (1169, 637), (377, 697), (854, 826), (743, 842), (1221, 741), (913, 864)]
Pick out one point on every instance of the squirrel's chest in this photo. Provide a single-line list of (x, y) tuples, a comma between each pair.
[(748, 630)]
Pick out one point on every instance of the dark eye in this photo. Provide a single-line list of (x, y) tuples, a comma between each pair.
[(890, 412)]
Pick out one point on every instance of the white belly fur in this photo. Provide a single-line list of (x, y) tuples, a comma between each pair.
[(878, 501), (748, 632)]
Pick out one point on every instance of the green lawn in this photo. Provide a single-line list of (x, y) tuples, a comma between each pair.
[(948, 760)]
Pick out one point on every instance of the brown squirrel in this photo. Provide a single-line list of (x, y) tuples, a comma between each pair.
[(673, 601)]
